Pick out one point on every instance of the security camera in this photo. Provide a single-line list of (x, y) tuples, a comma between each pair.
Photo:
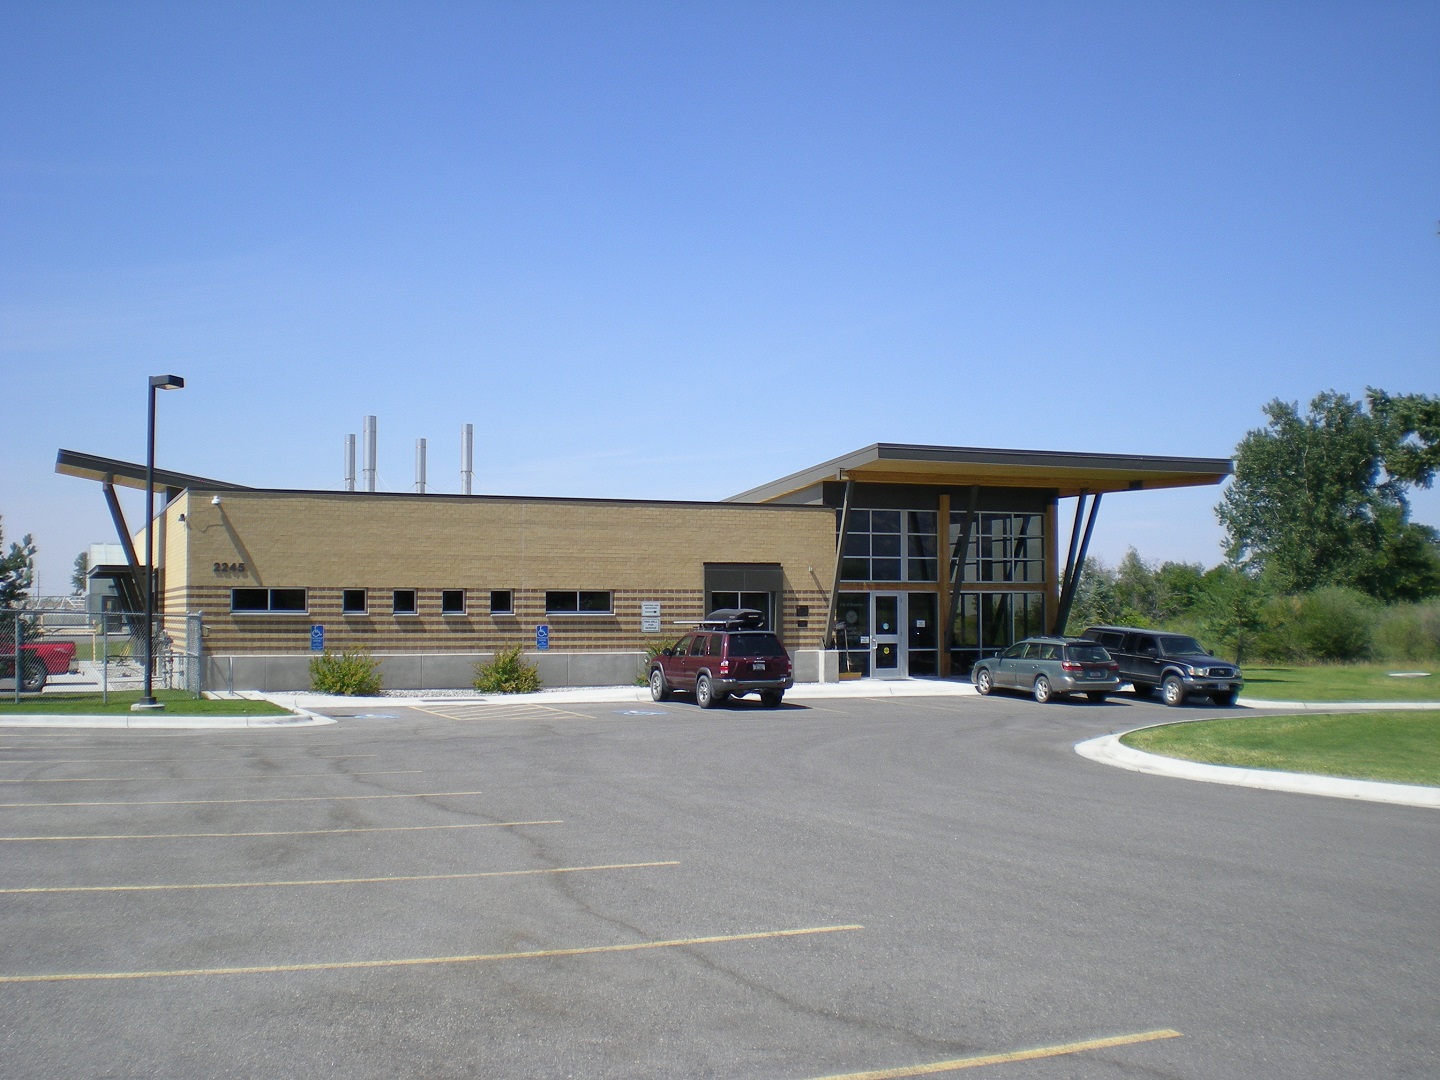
[(215, 501)]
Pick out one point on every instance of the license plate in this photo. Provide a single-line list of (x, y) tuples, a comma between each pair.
[(759, 665), (1095, 674)]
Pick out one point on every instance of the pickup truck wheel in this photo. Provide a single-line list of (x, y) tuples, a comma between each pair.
[(1043, 693), (771, 698), (704, 692), (984, 681), (1227, 699), (659, 688), (1172, 691), (35, 676)]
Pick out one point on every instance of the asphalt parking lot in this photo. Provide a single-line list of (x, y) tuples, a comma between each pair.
[(882, 888)]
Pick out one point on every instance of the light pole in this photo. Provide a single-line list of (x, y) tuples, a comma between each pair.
[(157, 382)]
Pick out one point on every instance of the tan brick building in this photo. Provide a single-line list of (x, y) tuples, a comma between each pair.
[(856, 563)]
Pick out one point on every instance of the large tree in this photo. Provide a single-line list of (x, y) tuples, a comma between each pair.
[(1319, 498), (17, 571)]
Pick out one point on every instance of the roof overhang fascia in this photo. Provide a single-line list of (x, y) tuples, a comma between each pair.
[(129, 474), (956, 466)]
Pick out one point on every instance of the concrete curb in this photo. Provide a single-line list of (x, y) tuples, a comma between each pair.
[(139, 722), (1108, 750), (1337, 706)]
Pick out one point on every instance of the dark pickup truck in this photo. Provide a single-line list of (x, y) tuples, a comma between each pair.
[(1175, 664), (39, 661)]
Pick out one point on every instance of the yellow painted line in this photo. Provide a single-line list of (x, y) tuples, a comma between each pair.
[(333, 881), (278, 832), (478, 958), (188, 779), (209, 802), (955, 1064)]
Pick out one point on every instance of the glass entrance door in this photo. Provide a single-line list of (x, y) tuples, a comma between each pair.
[(887, 646)]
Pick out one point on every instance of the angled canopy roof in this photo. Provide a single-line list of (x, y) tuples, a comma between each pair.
[(1068, 473), (129, 474)]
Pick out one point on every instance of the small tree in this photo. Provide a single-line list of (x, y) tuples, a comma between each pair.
[(81, 575), (17, 571), (1233, 608)]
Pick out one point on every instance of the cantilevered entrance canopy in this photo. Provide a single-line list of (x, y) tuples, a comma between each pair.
[(911, 519), (1066, 474)]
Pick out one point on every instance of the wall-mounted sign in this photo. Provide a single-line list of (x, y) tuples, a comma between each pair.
[(650, 609), (650, 626), (542, 636), (317, 638)]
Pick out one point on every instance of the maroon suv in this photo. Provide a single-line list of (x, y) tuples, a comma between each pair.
[(726, 654)]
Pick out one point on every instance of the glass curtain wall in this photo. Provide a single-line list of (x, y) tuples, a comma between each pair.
[(1005, 548)]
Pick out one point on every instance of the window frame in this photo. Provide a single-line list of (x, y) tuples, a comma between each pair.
[(510, 609), (414, 609), (577, 611), (363, 609), (269, 608), (445, 595)]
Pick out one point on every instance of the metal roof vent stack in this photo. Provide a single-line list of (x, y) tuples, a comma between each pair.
[(420, 466), (467, 458), (369, 453), (349, 462)]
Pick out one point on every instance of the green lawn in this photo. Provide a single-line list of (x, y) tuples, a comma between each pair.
[(1336, 682), (177, 703), (1401, 747)]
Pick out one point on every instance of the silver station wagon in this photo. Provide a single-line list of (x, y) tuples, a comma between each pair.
[(1050, 667)]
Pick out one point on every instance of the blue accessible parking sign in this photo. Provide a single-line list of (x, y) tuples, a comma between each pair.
[(542, 636), (317, 638)]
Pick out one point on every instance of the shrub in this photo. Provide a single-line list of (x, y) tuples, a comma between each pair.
[(1409, 632), (1335, 624), (350, 673), (507, 673), (652, 648)]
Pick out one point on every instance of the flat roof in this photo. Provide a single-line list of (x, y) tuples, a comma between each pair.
[(960, 466)]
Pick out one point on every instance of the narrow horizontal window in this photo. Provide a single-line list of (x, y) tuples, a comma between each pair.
[(257, 600), (352, 602), (452, 602), (578, 602), (402, 602), (502, 602)]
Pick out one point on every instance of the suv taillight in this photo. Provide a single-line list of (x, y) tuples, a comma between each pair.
[(725, 666), (1071, 665)]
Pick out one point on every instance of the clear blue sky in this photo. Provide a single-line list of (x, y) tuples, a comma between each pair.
[(677, 250)]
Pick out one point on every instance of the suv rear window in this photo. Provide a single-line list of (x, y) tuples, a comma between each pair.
[(755, 645), (1086, 654)]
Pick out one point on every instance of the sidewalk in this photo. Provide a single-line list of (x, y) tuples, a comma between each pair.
[(305, 703)]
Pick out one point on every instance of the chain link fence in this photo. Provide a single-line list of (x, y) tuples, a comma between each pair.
[(62, 650)]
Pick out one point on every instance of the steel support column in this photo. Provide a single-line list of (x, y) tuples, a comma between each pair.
[(835, 580), (1076, 565)]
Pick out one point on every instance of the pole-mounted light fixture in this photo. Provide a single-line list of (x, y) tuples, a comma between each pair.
[(157, 382)]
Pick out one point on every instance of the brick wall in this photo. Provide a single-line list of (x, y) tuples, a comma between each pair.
[(328, 542)]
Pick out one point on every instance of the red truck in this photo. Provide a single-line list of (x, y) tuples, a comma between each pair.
[(40, 660)]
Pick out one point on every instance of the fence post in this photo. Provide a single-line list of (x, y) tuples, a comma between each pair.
[(105, 661), (19, 638)]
